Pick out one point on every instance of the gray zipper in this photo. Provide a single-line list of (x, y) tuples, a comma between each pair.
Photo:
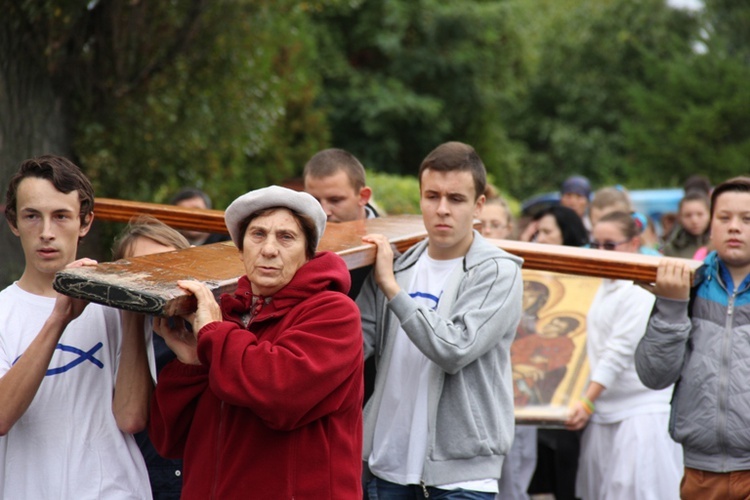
[(724, 381)]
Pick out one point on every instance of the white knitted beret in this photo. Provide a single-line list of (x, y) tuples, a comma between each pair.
[(269, 197)]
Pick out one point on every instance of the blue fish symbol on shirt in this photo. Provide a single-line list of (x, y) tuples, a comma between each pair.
[(427, 299), (82, 356)]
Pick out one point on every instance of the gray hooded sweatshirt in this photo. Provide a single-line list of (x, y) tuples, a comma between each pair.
[(467, 339)]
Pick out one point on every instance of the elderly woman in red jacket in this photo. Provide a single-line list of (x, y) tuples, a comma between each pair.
[(264, 399)]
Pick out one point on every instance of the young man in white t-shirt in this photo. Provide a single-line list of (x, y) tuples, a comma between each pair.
[(439, 321), (72, 387)]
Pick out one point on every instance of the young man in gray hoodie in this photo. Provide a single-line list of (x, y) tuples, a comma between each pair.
[(439, 321)]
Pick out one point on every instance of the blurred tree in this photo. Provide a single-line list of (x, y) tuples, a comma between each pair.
[(690, 112), (728, 26), (233, 113), (402, 76), (571, 119), (150, 96), (62, 61), (231, 95)]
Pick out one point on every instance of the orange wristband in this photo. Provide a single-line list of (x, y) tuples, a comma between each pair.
[(588, 406)]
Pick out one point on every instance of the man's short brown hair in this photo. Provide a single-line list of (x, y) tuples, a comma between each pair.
[(457, 156), (62, 173), (331, 161), (736, 184)]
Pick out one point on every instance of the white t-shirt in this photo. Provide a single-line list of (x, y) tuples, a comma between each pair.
[(401, 434), (67, 444)]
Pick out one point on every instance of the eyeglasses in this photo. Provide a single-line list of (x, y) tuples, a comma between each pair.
[(493, 224), (607, 245)]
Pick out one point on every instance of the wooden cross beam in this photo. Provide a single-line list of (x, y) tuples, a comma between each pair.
[(587, 261), (570, 260), (208, 220), (148, 284)]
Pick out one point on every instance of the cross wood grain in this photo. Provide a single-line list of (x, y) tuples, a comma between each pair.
[(587, 261), (198, 219), (148, 284)]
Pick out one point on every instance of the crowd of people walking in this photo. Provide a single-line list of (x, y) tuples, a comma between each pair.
[(311, 381)]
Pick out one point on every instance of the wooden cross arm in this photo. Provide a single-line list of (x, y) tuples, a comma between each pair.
[(587, 261), (211, 221), (148, 284)]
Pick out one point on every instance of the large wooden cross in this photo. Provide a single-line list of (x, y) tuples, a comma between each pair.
[(148, 284)]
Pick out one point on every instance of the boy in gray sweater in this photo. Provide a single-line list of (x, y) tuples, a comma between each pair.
[(439, 321), (697, 339)]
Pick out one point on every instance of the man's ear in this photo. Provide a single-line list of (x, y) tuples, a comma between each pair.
[(86, 225), (13, 228), (479, 205), (364, 196)]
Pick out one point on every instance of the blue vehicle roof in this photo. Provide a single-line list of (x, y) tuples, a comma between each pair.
[(651, 202), (655, 202)]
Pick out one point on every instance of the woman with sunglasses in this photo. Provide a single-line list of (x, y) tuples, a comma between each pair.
[(626, 451)]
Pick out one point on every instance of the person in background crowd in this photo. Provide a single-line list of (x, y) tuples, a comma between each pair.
[(497, 221), (697, 339), (146, 235), (649, 236), (195, 198), (557, 225), (626, 451), (264, 399), (336, 179), (699, 183), (615, 199), (73, 388), (518, 467), (440, 321), (607, 200), (702, 184), (692, 232), (575, 192), (668, 222), (557, 450)]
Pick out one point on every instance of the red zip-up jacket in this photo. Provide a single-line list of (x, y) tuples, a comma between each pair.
[(275, 409)]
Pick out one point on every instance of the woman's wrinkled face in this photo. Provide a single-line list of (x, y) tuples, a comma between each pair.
[(273, 251)]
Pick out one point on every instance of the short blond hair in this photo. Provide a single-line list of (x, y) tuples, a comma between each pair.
[(147, 226)]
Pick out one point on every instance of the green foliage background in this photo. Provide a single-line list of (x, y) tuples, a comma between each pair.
[(231, 95)]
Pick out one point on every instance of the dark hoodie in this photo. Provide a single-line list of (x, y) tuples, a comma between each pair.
[(274, 411), (684, 244)]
